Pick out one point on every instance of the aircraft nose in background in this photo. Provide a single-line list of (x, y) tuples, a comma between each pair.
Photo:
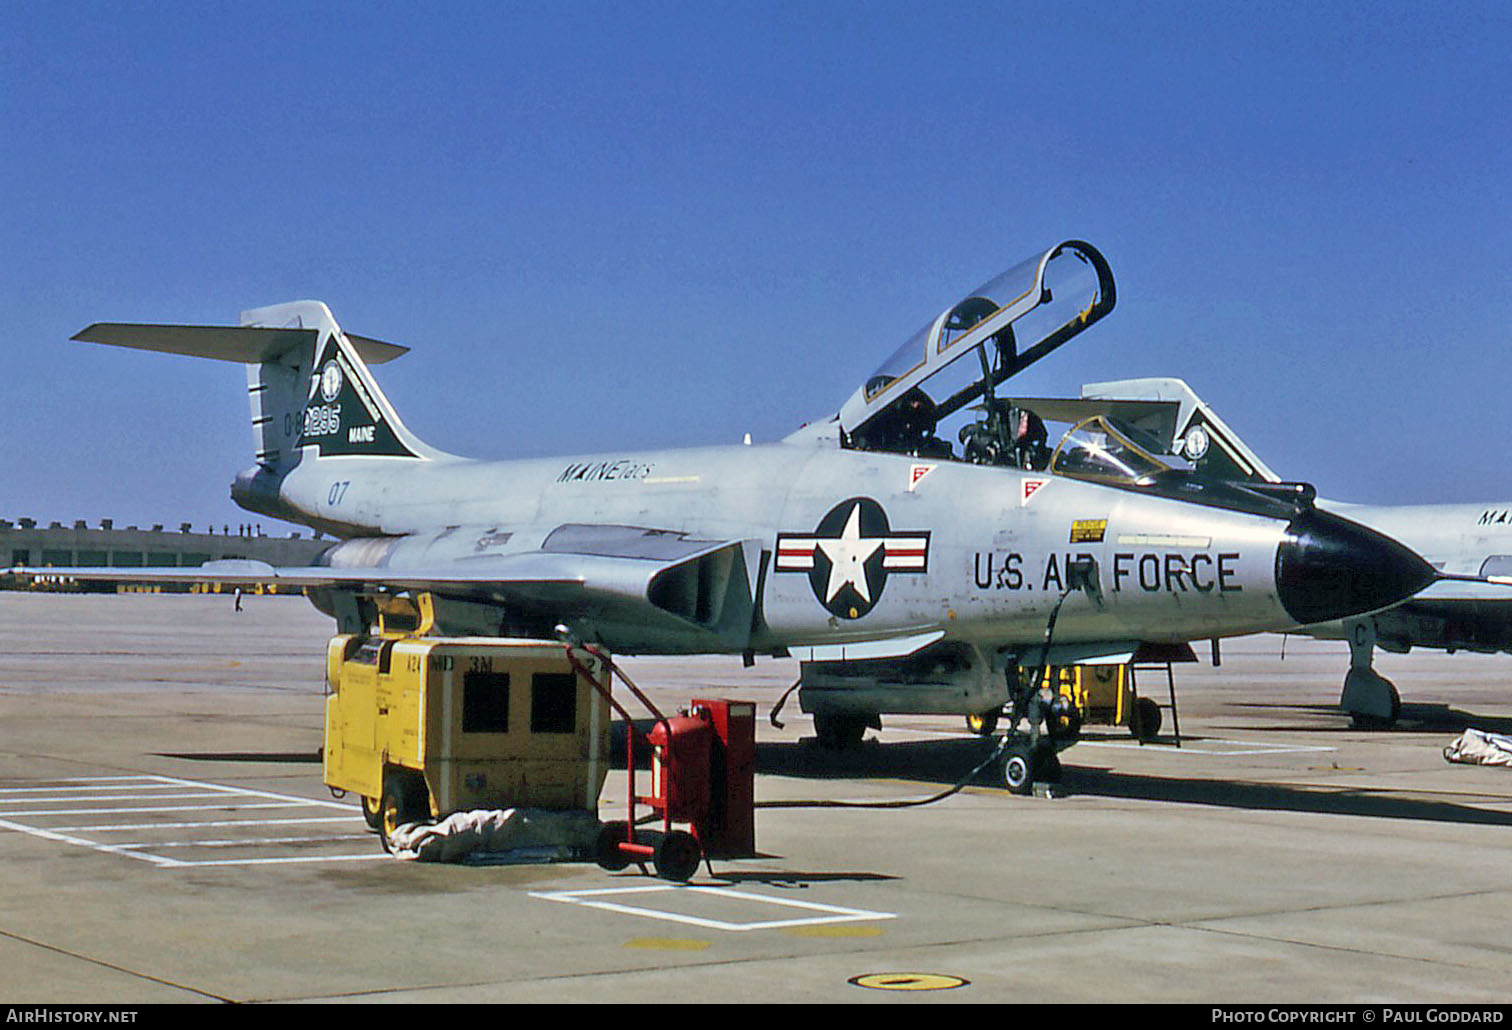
[(1329, 568)]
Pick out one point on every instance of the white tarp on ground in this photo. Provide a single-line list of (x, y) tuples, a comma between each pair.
[(533, 833), (1475, 747)]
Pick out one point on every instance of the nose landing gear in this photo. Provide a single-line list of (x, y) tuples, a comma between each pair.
[(1024, 765), (1052, 724)]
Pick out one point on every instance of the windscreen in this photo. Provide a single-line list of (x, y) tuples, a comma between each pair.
[(1095, 449)]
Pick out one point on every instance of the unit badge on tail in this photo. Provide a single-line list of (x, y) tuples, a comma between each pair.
[(850, 555), (340, 415)]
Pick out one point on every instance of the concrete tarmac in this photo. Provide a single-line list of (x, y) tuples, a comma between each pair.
[(165, 837)]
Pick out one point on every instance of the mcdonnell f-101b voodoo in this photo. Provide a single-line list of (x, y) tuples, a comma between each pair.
[(912, 551), (1468, 607)]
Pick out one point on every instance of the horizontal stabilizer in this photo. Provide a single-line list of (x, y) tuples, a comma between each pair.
[(249, 345)]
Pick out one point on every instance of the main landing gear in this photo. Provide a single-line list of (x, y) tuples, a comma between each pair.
[(843, 732)]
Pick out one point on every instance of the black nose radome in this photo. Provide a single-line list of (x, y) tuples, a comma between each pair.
[(1329, 568)]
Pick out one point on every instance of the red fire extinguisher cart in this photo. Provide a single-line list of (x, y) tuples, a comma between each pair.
[(703, 766)]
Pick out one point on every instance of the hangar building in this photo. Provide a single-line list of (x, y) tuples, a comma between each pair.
[(24, 542)]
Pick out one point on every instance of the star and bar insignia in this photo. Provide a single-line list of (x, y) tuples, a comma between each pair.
[(850, 555)]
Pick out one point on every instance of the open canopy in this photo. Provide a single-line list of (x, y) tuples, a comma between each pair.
[(1008, 323)]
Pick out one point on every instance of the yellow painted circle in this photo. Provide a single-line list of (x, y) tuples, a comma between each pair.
[(908, 981)]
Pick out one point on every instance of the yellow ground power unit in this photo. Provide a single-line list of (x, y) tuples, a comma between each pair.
[(1100, 692), (422, 727), (1106, 694), (1103, 694)]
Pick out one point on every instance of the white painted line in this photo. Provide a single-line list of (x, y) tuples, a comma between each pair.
[(830, 913), (99, 788), (142, 777), (170, 782), (371, 856), (8, 803), (650, 888), (81, 842), (118, 792), (1249, 747), (115, 827), (162, 808), (245, 842), (261, 794)]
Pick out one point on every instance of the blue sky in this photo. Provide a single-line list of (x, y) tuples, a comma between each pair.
[(606, 226)]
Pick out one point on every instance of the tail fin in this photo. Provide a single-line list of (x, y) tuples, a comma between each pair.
[(311, 392), (318, 399)]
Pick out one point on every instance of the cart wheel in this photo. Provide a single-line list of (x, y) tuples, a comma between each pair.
[(606, 849), (372, 812), (1018, 769), (677, 856), (405, 800), (1146, 722), (983, 723)]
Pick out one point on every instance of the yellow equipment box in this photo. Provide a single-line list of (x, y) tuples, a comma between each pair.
[(1100, 692), (421, 727), (1106, 694)]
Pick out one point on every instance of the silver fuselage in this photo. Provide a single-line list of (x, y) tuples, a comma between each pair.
[(998, 548)]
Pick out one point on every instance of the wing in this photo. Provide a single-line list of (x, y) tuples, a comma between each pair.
[(642, 587)]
